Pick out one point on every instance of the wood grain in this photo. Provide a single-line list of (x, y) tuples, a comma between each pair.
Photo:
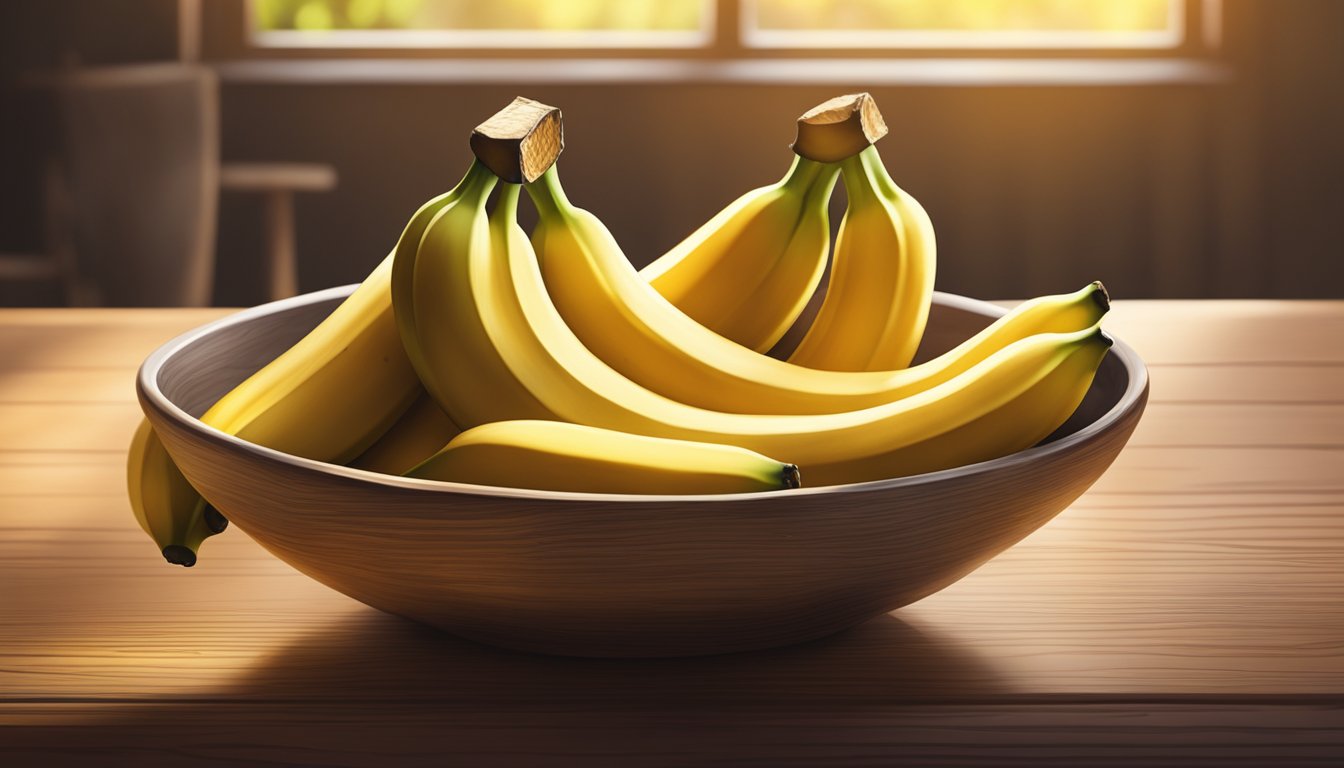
[(1185, 610)]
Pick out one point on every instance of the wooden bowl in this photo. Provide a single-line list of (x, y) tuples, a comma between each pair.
[(621, 575)]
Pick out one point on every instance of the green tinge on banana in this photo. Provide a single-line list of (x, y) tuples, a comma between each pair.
[(557, 456)]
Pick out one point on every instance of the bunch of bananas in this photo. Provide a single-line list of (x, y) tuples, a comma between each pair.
[(476, 354)]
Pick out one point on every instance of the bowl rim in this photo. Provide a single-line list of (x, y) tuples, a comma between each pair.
[(147, 386)]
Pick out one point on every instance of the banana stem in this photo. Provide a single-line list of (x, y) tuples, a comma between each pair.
[(506, 207), (860, 185), (477, 175), (548, 195), (819, 195), (877, 171), (804, 173)]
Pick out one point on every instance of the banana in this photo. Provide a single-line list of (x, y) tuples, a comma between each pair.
[(420, 432), (333, 393), (881, 286), (748, 272), (501, 351), (437, 312), (403, 259), (554, 456), (166, 506), (329, 397), (643, 336)]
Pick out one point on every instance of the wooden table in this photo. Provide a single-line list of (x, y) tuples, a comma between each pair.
[(1189, 608)]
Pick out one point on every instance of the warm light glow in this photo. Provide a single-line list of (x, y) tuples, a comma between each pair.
[(963, 23), (966, 15), (689, 23), (469, 15)]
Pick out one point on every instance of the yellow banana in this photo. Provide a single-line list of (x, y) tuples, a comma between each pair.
[(501, 351), (555, 456), (881, 286), (403, 259), (1017, 424), (420, 432), (640, 334), (166, 506), (333, 393), (748, 272), (437, 312), (329, 397)]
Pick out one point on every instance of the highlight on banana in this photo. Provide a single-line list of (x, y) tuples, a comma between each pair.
[(476, 352)]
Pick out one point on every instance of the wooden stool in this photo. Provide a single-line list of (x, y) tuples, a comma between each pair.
[(278, 182)]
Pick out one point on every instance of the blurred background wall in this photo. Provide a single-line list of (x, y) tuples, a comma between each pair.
[(1232, 188)]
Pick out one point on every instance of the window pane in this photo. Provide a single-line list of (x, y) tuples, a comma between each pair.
[(471, 22), (971, 23)]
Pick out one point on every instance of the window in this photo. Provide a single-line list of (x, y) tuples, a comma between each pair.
[(964, 23), (476, 24), (733, 28)]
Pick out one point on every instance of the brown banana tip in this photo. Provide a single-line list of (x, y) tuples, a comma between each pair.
[(1101, 296), (792, 477), (179, 555), (214, 520)]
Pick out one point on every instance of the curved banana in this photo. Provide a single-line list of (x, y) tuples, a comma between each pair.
[(333, 393), (555, 456), (403, 262), (881, 286), (502, 351), (420, 433), (643, 336), (437, 312), (329, 397), (166, 506), (748, 272)]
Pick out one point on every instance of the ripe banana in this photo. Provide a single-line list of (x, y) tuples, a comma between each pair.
[(403, 258), (554, 456), (329, 397), (772, 240), (748, 272), (166, 506), (881, 286), (495, 320), (420, 433), (333, 393), (643, 336)]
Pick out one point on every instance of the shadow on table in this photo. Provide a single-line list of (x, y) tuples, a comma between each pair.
[(377, 657), (374, 686)]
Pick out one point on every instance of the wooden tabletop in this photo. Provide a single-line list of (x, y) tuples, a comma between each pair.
[(1189, 608)]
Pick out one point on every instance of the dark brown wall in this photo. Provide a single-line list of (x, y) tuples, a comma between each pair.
[(1232, 189)]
